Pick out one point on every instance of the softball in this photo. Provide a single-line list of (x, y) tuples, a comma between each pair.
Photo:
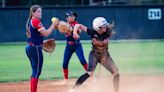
[(53, 19)]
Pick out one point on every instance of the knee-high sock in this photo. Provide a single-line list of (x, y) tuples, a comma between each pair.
[(85, 66), (34, 84), (81, 80), (65, 72), (116, 82)]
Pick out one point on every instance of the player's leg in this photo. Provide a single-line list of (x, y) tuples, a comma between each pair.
[(80, 54), (108, 63), (37, 68), (36, 58), (91, 68), (67, 55), (29, 51)]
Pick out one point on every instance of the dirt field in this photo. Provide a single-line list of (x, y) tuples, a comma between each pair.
[(127, 84)]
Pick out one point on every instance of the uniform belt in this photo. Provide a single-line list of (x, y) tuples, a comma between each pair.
[(32, 44), (70, 42)]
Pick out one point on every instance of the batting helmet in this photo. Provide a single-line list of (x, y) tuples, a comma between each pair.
[(99, 22)]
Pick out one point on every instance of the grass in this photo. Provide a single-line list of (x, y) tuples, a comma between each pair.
[(130, 57)]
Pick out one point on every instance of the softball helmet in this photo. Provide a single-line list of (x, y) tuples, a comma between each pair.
[(99, 22)]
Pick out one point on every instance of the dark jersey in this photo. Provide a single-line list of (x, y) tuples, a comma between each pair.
[(99, 37)]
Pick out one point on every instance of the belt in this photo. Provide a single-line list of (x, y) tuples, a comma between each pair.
[(32, 44), (70, 42)]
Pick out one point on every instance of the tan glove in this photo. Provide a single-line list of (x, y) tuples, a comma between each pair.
[(64, 27), (49, 45)]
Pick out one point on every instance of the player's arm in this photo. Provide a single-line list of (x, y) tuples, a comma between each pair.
[(78, 27), (38, 25), (45, 32)]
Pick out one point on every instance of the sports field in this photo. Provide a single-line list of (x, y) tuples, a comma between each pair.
[(137, 59)]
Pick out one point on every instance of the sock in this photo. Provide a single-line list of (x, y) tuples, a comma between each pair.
[(34, 83), (81, 80), (65, 71), (85, 66), (116, 83)]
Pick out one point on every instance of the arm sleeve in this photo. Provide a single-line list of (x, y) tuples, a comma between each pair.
[(90, 31), (37, 24)]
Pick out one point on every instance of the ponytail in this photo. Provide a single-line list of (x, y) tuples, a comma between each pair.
[(32, 10)]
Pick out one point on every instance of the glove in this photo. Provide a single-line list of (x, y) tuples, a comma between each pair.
[(64, 27), (56, 21), (49, 45)]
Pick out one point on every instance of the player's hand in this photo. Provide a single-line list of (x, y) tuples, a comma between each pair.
[(55, 22)]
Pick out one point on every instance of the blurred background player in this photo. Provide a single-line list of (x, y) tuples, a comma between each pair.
[(35, 32), (100, 35), (72, 45)]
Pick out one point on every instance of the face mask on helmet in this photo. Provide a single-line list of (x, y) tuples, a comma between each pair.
[(99, 22)]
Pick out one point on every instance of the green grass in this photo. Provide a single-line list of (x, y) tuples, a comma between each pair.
[(139, 57), (130, 57)]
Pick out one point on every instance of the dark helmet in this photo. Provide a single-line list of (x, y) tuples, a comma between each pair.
[(71, 13)]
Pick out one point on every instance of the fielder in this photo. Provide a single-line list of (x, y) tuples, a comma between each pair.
[(100, 35), (35, 32), (72, 45)]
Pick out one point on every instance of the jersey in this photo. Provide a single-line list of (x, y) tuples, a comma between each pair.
[(70, 37), (35, 36), (99, 37)]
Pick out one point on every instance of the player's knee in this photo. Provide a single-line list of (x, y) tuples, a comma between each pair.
[(116, 74), (36, 73), (83, 61), (65, 66)]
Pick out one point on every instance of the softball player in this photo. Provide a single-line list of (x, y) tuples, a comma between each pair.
[(72, 46), (99, 54), (35, 32)]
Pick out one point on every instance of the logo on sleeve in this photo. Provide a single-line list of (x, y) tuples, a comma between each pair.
[(40, 25)]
